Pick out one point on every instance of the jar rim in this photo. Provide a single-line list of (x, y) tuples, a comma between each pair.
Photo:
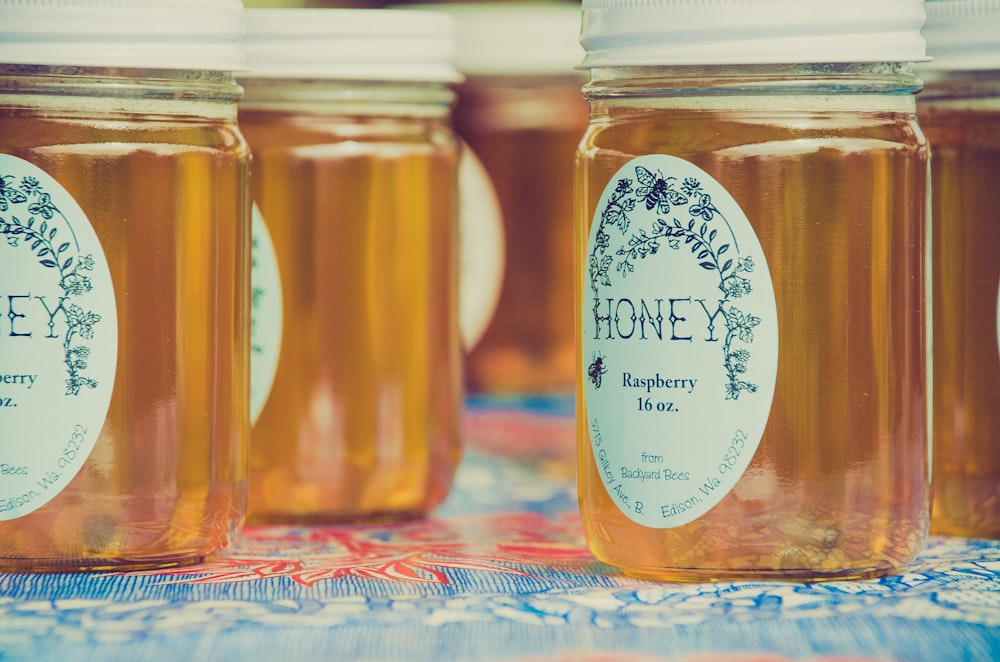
[(515, 39), (350, 44), (198, 35), (679, 32), (963, 34)]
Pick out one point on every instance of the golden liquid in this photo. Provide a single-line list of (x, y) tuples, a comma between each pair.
[(526, 136), (166, 481), (965, 163), (362, 419), (839, 483)]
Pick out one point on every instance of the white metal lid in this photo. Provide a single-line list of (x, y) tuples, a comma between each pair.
[(674, 32), (154, 34), (352, 44), (516, 38), (963, 34)]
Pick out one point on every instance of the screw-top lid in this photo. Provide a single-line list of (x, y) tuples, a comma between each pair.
[(354, 44), (516, 38), (963, 34), (690, 32), (153, 34)]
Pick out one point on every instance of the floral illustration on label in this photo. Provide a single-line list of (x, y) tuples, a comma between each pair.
[(52, 253), (680, 340), (58, 337), (659, 194), (265, 316)]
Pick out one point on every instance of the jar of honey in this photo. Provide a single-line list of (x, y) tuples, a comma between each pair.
[(124, 283), (751, 268), (959, 110), (520, 110), (355, 169)]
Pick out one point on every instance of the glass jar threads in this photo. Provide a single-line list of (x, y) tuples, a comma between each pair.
[(124, 277), (959, 110), (355, 176), (751, 235)]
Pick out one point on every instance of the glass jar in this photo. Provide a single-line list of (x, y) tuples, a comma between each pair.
[(355, 176), (959, 110), (521, 112), (751, 235), (124, 275)]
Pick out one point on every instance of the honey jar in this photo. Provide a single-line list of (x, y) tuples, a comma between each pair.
[(355, 169), (124, 284), (752, 289), (520, 110), (959, 110)]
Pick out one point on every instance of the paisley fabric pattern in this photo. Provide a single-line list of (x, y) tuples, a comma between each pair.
[(500, 572)]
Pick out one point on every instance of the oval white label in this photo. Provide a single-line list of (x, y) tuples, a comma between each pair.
[(680, 340), (481, 249), (58, 337), (265, 316)]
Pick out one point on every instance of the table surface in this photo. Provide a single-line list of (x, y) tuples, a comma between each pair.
[(499, 572)]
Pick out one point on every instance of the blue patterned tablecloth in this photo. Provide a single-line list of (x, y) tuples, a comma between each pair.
[(499, 573)]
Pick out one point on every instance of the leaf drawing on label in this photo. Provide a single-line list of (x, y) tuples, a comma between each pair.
[(256, 294), (714, 251), (39, 233)]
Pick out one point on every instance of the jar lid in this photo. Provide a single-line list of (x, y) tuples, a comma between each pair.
[(963, 34), (692, 32), (352, 44), (151, 34), (530, 39)]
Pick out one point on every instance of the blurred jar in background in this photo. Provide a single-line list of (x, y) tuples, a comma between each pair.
[(521, 111), (959, 111), (355, 177)]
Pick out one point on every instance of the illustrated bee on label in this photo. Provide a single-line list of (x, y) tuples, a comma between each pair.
[(596, 370), (657, 191)]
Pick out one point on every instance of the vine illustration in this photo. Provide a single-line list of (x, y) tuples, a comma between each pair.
[(256, 294), (39, 234), (662, 196)]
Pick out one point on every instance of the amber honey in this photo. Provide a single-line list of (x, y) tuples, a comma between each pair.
[(362, 420), (525, 130), (835, 190), (164, 185), (965, 139)]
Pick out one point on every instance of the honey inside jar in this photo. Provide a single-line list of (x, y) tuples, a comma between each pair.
[(362, 418), (965, 164), (164, 185), (835, 191), (526, 130), (959, 109)]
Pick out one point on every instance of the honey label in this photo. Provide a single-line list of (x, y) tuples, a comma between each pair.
[(481, 251), (680, 341), (58, 338), (265, 316)]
